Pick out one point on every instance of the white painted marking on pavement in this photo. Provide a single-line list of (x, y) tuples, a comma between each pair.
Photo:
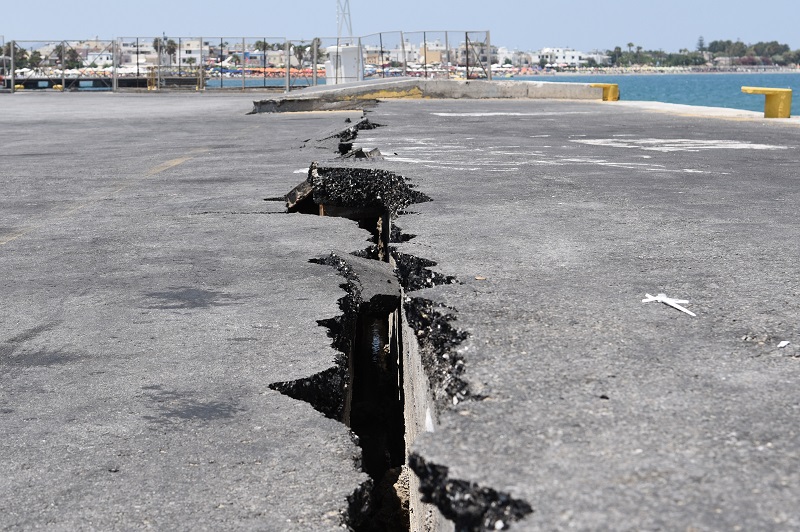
[(673, 145)]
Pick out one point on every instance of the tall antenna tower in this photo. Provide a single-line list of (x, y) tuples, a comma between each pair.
[(343, 18)]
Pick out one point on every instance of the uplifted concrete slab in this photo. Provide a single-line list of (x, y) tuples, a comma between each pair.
[(366, 93)]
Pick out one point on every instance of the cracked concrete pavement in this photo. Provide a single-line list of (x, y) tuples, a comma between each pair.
[(150, 296)]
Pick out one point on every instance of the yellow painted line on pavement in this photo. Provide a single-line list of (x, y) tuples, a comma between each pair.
[(15, 236), (167, 165), (72, 210)]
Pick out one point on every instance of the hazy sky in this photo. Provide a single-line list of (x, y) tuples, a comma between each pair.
[(521, 24)]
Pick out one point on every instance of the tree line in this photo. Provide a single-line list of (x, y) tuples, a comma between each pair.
[(61, 54), (733, 52)]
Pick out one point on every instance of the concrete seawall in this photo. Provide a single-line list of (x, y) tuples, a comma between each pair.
[(339, 96)]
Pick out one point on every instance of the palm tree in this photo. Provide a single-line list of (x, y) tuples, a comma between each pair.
[(300, 53), (168, 47)]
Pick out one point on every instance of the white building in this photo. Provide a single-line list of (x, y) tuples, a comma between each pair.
[(412, 54), (562, 56), (504, 54), (599, 57), (193, 51), (141, 52), (99, 59)]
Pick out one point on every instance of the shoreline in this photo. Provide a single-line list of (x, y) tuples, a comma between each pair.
[(648, 72)]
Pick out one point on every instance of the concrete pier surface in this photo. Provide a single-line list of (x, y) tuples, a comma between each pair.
[(150, 297)]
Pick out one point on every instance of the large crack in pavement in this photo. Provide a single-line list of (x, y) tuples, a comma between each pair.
[(369, 388)]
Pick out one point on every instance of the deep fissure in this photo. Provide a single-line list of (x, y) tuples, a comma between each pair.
[(365, 389)]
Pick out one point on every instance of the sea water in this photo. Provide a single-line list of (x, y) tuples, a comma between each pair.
[(710, 90)]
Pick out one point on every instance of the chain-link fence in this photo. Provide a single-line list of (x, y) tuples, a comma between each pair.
[(58, 65), (219, 63)]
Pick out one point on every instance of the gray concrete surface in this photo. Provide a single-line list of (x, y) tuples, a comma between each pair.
[(150, 297), (602, 412)]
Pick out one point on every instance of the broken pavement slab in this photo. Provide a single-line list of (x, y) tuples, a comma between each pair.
[(366, 94)]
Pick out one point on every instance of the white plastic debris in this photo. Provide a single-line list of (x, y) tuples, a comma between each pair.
[(429, 421), (674, 303), (783, 344)]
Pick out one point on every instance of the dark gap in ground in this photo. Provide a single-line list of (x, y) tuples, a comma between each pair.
[(366, 388), (471, 507), (372, 397), (369, 196)]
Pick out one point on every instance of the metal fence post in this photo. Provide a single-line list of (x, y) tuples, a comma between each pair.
[(201, 67), (380, 54), (403, 51), (13, 47), (63, 64), (244, 60), (114, 66), (447, 48), (360, 61), (466, 49), (158, 69), (314, 51), (264, 62), (489, 56), (288, 65), (425, 56)]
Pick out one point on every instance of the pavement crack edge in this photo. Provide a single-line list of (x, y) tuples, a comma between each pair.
[(471, 507), (367, 386)]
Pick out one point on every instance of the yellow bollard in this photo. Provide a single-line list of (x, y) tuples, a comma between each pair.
[(152, 81), (19, 87), (777, 103), (58, 87), (610, 91)]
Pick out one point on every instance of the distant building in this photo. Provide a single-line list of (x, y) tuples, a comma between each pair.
[(433, 52), (375, 55), (478, 51), (137, 52), (396, 54), (562, 57), (504, 54), (99, 59), (601, 58), (193, 51)]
